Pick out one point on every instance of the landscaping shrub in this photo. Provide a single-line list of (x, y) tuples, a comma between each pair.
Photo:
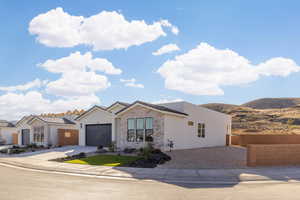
[(99, 147), (156, 151), (150, 158), (146, 151), (112, 147), (3, 151), (79, 156), (34, 146), (17, 151)]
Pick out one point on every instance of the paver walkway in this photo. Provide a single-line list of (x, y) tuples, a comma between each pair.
[(208, 158)]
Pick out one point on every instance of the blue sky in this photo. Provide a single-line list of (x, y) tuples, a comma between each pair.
[(255, 31)]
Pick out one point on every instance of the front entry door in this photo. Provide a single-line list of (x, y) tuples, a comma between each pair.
[(25, 136)]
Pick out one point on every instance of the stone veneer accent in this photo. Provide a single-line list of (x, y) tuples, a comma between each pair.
[(140, 112)]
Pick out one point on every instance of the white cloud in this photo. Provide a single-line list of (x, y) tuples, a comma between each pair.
[(163, 101), (166, 23), (278, 67), (57, 28), (103, 31), (168, 48), (205, 69), (78, 83), (80, 62), (75, 88), (14, 106), (37, 83), (103, 65), (79, 74), (131, 83)]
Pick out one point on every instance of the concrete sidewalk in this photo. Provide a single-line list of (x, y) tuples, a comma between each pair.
[(232, 176)]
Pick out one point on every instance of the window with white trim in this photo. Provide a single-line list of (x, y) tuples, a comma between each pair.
[(201, 130), (140, 129), (131, 130), (38, 134), (149, 129)]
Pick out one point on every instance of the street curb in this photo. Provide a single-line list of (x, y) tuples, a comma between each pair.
[(186, 180), (142, 178)]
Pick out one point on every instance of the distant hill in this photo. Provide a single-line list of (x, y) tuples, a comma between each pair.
[(220, 107), (272, 103), (263, 116)]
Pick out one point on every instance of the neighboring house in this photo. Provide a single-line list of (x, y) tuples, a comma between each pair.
[(52, 131), (24, 130), (132, 126), (7, 129)]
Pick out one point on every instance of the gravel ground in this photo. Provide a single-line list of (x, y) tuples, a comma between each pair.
[(211, 157)]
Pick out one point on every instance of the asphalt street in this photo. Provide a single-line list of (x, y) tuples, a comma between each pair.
[(16, 183)]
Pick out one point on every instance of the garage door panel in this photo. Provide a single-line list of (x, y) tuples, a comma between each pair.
[(98, 134)]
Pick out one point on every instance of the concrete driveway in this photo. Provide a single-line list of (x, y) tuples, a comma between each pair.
[(54, 153), (227, 157)]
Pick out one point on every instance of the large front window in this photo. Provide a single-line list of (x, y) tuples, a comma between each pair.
[(140, 129), (149, 129), (131, 130), (38, 134)]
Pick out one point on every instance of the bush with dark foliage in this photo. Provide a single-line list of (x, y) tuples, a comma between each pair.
[(151, 159)]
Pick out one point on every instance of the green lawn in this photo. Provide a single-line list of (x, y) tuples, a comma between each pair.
[(105, 160)]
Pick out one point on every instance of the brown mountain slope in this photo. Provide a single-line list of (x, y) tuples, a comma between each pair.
[(271, 103), (247, 120)]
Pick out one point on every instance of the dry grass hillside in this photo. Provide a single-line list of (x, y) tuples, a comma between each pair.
[(263, 117), (273, 103)]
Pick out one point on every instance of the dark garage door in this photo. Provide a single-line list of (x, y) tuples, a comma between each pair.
[(25, 136), (98, 134)]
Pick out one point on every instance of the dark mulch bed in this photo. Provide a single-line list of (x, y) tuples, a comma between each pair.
[(18, 150), (156, 157)]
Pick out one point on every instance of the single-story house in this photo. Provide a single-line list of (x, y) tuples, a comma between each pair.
[(23, 130), (97, 125), (47, 131), (7, 129), (180, 124)]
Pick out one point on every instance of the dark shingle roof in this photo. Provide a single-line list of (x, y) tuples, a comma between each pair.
[(157, 107), (4, 123), (102, 108), (118, 102), (56, 120)]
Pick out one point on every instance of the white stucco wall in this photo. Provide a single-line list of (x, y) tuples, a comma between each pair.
[(186, 137), (97, 116), (6, 134)]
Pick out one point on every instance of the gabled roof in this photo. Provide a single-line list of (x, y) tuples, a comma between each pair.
[(90, 110), (51, 120), (117, 103), (23, 118), (154, 107), (4, 123)]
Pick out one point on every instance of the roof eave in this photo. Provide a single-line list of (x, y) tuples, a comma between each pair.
[(149, 107)]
